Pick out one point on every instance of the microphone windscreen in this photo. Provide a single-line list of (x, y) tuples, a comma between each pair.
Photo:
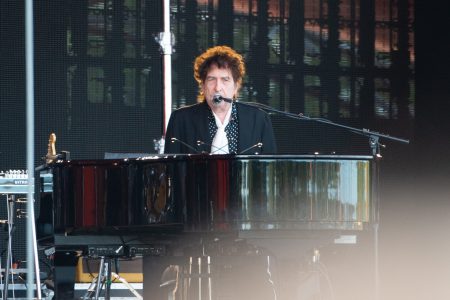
[(217, 98)]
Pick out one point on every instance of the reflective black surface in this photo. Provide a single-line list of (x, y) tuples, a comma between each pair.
[(215, 193)]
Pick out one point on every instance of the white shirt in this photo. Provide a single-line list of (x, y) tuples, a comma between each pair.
[(220, 141)]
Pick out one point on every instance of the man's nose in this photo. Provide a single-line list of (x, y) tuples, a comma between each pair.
[(219, 86)]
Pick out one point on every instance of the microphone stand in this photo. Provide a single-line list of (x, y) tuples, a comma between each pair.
[(373, 136), (173, 140), (201, 143), (257, 145)]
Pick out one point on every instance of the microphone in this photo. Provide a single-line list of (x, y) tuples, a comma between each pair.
[(173, 140), (217, 98), (259, 145)]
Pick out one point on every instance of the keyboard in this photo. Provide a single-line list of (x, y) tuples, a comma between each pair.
[(16, 182)]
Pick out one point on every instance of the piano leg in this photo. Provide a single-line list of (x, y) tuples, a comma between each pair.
[(225, 277), (64, 264), (153, 268)]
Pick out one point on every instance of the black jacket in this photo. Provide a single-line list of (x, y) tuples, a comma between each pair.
[(189, 125)]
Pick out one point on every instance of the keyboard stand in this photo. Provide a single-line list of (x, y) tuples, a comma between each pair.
[(11, 201), (104, 278)]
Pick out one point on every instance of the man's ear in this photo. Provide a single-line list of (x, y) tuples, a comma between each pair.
[(236, 90)]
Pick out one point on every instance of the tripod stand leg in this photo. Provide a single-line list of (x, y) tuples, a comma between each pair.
[(107, 278), (100, 277), (104, 278), (91, 289)]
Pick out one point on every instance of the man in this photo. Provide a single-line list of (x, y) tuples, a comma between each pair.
[(215, 125)]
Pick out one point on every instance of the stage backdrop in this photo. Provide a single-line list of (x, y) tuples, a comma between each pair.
[(99, 70)]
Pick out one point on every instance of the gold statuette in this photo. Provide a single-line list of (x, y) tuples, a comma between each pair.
[(51, 150)]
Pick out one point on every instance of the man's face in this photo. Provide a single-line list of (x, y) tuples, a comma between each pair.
[(219, 81)]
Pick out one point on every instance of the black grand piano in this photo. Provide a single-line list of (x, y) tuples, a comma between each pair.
[(157, 205)]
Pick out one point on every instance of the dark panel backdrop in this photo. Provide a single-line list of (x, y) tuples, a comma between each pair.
[(98, 83), (98, 66)]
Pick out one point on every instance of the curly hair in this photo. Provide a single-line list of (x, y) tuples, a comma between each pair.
[(223, 57)]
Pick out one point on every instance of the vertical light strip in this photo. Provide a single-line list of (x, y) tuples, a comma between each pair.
[(31, 242), (167, 49)]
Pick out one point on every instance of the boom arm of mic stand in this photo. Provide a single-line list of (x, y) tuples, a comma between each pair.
[(373, 136), (173, 140)]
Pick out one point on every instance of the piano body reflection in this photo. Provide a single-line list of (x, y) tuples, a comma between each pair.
[(164, 196)]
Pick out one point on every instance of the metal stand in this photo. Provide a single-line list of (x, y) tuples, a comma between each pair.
[(104, 278), (200, 275), (197, 281), (11, 201)]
